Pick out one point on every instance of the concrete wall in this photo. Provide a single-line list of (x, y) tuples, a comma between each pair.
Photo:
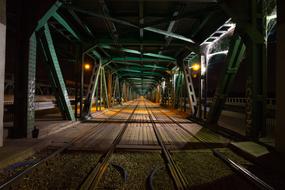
[(280, 78), (2, 62)]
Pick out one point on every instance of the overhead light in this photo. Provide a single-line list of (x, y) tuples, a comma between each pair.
[(87, 66), (195, 67)]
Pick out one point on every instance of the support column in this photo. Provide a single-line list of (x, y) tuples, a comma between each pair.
[(2, 62), (256, 90), (231, 67), (109, 91), (280, 78)]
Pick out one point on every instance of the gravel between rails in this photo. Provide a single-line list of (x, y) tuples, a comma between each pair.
[(205, 171), (138, 166), (13, 169), (65, 171)]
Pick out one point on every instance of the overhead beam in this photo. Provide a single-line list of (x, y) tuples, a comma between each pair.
[(123, 22), (171, 34), (137, 52), (144, 59), (80, 22), (61, 21)]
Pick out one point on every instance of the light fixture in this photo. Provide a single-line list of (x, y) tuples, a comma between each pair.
[(87, 66), (195, 67)]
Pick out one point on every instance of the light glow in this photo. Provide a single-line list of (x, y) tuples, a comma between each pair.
[(195, 67), (87, 66)]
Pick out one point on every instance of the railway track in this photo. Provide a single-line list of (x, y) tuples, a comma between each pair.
[(19, 175), (259, 183), (93, 179), (95, 169), (176, 173)]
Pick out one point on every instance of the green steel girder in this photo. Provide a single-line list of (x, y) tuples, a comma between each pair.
[(178, 88), (48, 15), (61, 21), (139, 65), (142, 68), (105, 46), (234, 57), (31, 84), (140, 74), (56, 74), (128, 70), (256, 87), (144, 59), (246, 27)]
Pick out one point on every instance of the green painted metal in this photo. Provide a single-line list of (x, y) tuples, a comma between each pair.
[(234, 57), (48, 15), (144, 65), (105, 87), (137, 52), (61, 21), (56, 75), (171, 34), (178, 89), (256, 88), (246, 27), (129, 70), (144, 59), (31, 84), (101, 87), (144, 74)]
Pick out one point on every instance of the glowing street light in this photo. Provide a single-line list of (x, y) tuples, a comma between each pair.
[(195, 67), (87, 66)]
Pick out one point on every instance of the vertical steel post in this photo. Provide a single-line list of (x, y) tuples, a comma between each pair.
[(92, 89), (105, 88), (189, 86), (280, 78), (232, 63), (101, 89), (77, 67), (257, 73), (2, 64), (56, 74)]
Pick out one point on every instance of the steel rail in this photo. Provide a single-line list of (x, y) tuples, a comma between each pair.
[(233, 165), (176, 173), (93, 179), (18, 176)]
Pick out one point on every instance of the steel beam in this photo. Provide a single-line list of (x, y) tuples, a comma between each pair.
[(2, 64), (170, 34), (62, 21), (234, 57), (256, 87), (280, 78), (123, 22), (144, 59), (91, 89), (137, 52), (56, 74), (189, 86)]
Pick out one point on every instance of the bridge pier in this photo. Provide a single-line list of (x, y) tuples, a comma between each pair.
[(280, 77), (2, 62)]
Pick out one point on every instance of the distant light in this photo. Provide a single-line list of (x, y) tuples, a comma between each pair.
[(196, 67), (87, 66), (195, 76)]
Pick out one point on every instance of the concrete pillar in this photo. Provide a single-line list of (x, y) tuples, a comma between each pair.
[(2, 62), (280, 78)]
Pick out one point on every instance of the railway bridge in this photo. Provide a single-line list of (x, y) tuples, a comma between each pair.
[(142, 94)]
